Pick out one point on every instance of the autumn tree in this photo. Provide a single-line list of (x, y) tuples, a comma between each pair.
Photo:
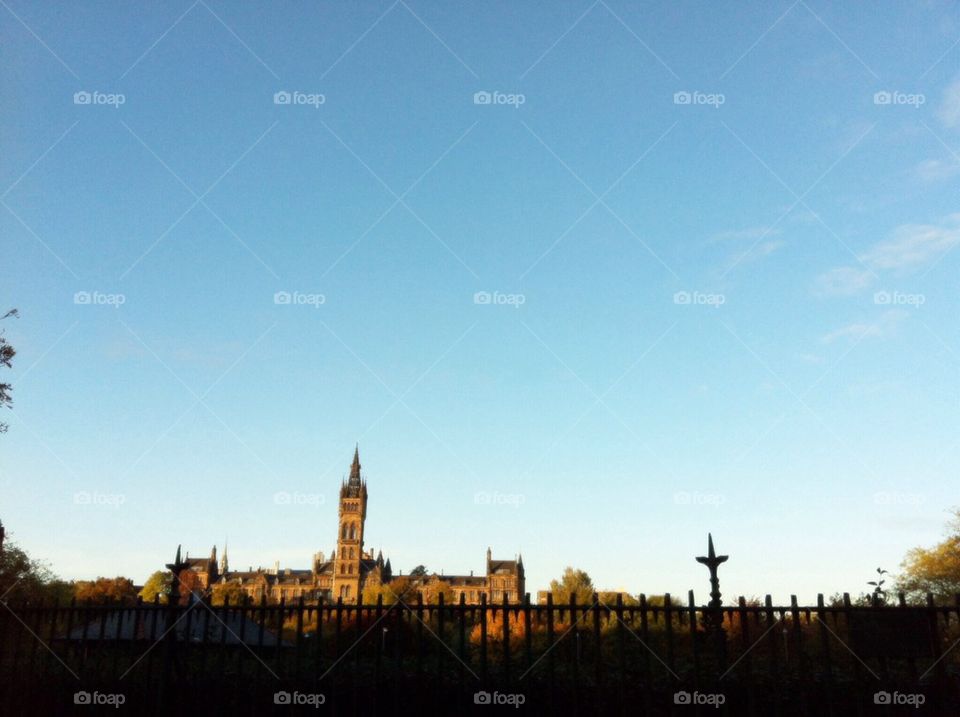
[(575, 582), (105, 591), (7, 352), (934, 570)]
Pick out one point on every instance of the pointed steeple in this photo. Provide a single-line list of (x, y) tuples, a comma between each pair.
[(224, 565), (355, 468)]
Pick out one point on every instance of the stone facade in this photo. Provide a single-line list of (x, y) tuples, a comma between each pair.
[(350, 568)]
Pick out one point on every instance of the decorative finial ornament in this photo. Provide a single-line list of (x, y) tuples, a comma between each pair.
[(714, 616), (176, 567)]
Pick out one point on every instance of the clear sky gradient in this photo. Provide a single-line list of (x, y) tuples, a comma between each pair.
[(733, 314)]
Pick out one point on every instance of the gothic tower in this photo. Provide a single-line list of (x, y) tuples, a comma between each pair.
[(353, 512)]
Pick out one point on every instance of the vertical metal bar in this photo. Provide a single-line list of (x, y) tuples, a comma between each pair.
[(505, 614), (298, 660), (528, 633), (483, 637), (692, 607), (463, 644), (598, 646), (747, 660), (550, 656), (825, 652), (668, 626), (621, 655), (940, 680), (773, 643)]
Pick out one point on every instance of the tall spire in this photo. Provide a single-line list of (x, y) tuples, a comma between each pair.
[(355, 468)]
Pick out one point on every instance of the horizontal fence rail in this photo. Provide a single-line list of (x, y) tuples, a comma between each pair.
[(651, 656)]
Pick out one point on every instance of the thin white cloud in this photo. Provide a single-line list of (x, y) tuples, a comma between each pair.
[(912, 245), (844, 281), (882, 327), (757, 232), (949, 110), (936, 170)]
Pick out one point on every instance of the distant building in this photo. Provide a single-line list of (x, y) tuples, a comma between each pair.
[(350, 568)]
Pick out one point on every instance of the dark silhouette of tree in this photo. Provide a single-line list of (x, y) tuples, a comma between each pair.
[(7, 352)]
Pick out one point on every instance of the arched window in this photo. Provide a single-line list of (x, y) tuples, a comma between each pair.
[(353, 531), (343, 531)]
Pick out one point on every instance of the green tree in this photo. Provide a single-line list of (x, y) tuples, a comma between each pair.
[(7, 352), (23, 578), (236, 594), (573, 581), (934, 570), (157, 584)]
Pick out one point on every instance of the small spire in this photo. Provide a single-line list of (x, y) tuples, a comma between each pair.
[(355, 468)]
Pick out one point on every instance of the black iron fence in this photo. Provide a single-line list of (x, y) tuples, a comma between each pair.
[(649, 656)]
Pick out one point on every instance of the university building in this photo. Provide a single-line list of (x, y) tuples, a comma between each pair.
[(350, 568)]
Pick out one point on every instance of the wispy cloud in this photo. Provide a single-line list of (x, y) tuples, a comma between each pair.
[(757, 232), (949, 110), (913, 245), (882, 327), (910, 246), (936, 170), (844, 281)]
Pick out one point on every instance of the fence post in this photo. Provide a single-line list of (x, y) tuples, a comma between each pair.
[(483, 637)]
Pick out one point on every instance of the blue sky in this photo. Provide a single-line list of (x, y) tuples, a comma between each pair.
[(721, 272)]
